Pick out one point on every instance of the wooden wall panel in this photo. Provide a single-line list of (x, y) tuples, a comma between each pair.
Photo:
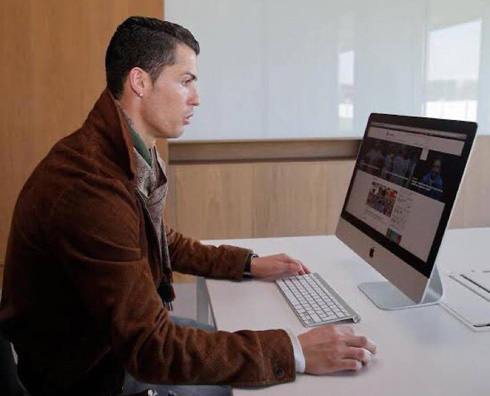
[(52, 72), (302, 198), (258, 199), (261, 199), (212, 200)]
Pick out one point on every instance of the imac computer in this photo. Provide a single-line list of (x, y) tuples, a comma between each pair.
[(403, 188)]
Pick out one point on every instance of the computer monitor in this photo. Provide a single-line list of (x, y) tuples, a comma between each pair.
[(403, 188)]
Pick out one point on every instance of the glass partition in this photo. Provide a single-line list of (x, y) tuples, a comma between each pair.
[(284, 69)]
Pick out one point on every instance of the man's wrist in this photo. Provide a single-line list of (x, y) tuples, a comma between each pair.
[(247, 270), (299, 357)]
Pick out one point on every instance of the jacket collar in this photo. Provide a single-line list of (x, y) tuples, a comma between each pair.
[(107, 119)]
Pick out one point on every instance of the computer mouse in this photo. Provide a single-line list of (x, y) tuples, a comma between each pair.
[(369, 355)]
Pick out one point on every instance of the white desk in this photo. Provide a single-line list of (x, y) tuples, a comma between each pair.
[(422, 351)]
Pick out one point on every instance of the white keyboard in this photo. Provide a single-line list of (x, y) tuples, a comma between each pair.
[(314, 302)]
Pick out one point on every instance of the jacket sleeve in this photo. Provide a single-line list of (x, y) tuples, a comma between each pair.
[(192, 257), (94, 231)]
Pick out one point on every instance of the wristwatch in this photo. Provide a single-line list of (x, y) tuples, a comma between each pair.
[(247, 273)]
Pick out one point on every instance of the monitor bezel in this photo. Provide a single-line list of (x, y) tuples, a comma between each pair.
[(443, 125)]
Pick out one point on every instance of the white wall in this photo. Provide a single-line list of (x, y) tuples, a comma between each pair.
[(275, 69)]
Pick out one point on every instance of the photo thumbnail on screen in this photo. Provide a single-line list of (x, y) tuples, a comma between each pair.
[(429, 175), (381, 198), (393, 236), (391, 161)]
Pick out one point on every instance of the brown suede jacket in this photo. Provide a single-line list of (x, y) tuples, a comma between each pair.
[(79, 295)]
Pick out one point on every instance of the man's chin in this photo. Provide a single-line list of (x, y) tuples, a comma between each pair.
[(173, 134), (178, 134)]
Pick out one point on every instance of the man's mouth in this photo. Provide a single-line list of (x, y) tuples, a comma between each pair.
[(187, 119)]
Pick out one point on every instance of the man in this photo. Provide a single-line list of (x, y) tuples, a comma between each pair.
[(431, 183), (375, 159), (401, 166), (87, 285)]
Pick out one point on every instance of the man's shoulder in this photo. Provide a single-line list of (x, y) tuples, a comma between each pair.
[(75, 172)]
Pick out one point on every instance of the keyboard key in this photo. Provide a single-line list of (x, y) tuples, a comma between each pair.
[(316, 318)]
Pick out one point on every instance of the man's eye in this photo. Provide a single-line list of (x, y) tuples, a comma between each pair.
[(186, 82)]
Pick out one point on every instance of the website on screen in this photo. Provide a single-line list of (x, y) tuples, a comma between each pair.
[(402, 183)]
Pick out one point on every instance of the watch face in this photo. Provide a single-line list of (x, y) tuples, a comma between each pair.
[(247, 270)]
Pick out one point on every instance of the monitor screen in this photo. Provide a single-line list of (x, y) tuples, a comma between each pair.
[(404, 185)]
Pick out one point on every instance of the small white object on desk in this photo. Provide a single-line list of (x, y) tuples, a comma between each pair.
[(467, 296)]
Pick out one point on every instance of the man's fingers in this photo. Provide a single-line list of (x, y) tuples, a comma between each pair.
[(290, 265), (349, 364), (360, 354), (294, 267), (305, 268), (362, 342), (302, 269)]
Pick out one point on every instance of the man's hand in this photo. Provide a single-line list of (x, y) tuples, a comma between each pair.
[(276, 266), (329, 349)]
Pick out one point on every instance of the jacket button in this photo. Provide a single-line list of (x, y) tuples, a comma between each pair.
[(279, 372)]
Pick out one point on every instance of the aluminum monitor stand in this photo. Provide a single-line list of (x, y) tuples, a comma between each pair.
[(386, 296)]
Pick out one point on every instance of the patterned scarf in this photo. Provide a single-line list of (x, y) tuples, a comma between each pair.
[(151, 183), (151, 186)]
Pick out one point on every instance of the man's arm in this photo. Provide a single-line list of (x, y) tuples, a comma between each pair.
[(95, 231), (189, 256), (325, 349), (192, 257)]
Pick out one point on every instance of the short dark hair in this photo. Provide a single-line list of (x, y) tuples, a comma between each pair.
[(143, 42)]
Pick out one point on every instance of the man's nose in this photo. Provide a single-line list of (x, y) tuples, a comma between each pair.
[(195, 99)]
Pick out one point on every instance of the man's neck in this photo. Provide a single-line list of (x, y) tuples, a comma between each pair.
[(135, 122)]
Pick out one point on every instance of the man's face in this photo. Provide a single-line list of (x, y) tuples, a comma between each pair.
[(436, 167), (170, 103)]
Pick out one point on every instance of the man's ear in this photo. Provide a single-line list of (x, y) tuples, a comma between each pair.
[(139, 81)]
